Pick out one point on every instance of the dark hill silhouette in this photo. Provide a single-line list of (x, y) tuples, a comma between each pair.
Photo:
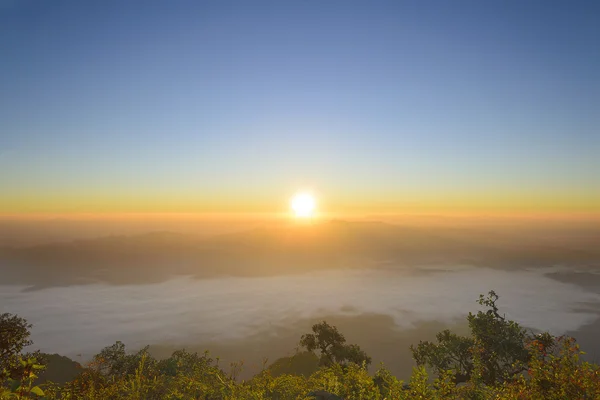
[(59, 369), (157, 256)]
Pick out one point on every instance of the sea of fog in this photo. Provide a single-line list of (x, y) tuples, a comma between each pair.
[(82, 319)]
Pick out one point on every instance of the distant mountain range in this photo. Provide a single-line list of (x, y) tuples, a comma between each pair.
[(157, 256)]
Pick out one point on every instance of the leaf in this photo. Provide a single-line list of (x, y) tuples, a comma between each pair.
[(14, 385), (37, 391)]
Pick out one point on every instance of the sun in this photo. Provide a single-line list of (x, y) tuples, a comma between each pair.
[(303, 205)]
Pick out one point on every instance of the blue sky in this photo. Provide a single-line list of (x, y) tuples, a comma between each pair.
[(217, 105)]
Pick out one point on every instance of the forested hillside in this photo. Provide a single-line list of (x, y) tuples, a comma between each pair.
[(499, 359)]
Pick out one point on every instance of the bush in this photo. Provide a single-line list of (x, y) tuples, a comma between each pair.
[(500, 360)]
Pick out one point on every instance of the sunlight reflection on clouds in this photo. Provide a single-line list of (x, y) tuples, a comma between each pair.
[(83, 319)]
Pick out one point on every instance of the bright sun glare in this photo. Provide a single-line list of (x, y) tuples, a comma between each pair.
[(303, 205)]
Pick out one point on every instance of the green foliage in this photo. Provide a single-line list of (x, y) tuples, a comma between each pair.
[(419, 387), (114, 360), (555, 375), (14, 337), (387, 384), (332, 346), (22, 386), (451, 352), (499, 361), (501, 344), (115, 374)]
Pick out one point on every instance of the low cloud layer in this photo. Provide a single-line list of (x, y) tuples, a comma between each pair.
[(83, 319)]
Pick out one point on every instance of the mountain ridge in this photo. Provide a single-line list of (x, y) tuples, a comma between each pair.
[(294, 248)]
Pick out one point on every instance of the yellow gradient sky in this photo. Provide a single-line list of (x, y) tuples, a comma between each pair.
[(378, 108)]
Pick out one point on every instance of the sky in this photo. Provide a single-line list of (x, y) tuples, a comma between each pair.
[(232, 106)]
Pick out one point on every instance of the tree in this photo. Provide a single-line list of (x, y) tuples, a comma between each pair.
[(17, 370), (14, 337), (558, 374), (501, 345), (115, 361), (451, 352), (332, 346)]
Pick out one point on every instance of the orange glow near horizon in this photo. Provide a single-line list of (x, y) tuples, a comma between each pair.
[(349, 214), (269, 200)]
